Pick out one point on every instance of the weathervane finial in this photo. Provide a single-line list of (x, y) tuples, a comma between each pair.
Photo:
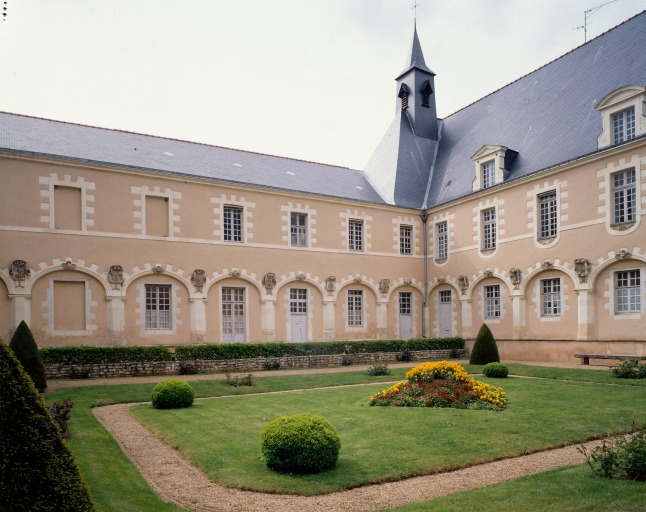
[(415, 4)]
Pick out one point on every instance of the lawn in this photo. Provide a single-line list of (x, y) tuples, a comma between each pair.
[(116, 485)]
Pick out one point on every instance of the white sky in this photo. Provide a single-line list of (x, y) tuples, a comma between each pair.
[(300, 78)]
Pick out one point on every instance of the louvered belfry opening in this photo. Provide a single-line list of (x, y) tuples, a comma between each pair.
[(403, 94), (426, 91)]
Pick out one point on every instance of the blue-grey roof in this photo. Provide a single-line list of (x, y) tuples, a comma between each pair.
[(547, 116), (415, 57), (98, 145)]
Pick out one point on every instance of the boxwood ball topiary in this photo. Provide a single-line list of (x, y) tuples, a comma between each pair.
[(172, 394), (484, 349), (497, 370), (302, 443)]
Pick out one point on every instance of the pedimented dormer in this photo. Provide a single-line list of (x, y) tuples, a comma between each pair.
[(492, 165), (623, 115)]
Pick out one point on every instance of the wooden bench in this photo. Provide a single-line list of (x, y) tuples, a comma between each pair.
[(585, 358)]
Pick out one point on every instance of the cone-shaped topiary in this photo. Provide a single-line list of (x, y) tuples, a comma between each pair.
[(484, 349), (24, 346), (301, 443), (37, 471)]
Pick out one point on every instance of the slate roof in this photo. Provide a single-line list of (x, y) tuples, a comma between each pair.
[(57, 139), (548, 116)]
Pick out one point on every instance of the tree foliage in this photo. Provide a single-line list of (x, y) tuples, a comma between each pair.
[(484, 349), (24, 346)]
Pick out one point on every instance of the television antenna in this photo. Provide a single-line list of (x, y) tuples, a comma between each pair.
[(587, 14)]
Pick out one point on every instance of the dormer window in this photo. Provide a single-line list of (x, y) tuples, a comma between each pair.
[(622, 115), (492, 165), (623, 125), (403, 94), (426, 91)]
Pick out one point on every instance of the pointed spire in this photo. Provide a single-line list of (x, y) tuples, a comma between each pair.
[(415, 56)]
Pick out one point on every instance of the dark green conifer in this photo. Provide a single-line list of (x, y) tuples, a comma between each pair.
[(484, 349), (37, 470), (24, 346)]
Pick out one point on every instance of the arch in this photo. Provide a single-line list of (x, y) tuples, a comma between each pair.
[(611, 260), (150, 270), (68, 265), (243, 274), (306, 279), (7, 281), (486, 274), (417, 285), (539, 269), (451, 281), (352, 279)]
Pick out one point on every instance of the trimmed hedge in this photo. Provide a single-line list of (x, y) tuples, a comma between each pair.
[(99, 355), (253, 350)]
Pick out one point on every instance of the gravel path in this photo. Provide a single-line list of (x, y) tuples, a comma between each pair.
[(178, 481)]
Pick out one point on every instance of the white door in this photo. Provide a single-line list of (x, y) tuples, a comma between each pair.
[(405, 315), (446, 314), (233, 315), (298, 314)]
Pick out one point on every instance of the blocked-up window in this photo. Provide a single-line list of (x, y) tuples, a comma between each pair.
[(69, 306), (68, 212), (156, 216)]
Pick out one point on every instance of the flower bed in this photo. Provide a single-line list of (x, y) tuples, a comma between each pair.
[(441, 384)]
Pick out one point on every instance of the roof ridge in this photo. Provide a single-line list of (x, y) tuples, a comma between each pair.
[(178, 140), (546, 64)]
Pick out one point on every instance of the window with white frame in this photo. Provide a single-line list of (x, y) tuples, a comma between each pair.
[(548, 225), (628, 291), (623, 125), (355, 235), (551, 296), (624, 195), (445, 296), (232, 224), (442, 241), (299, 229), (492, 301), (489, 229), (488, 174), (355, 308), (405, 302), (405, 239), (158, 306), (298, 300)]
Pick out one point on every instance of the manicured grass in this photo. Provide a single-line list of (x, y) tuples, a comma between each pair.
[(583, 375), (384, 443), (569, 489)]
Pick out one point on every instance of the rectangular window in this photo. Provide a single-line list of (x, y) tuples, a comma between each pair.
[(492, 301), (355, 308), (156, 216), (69, 305), (489, 229), (298, 300), (299, 229), (405, 239), (551, 296), (232, 224), (233, 315), (623, 125), (355, 235), (548, 215), (158, 306), (442, 241), (445, 297), (488, 174), (624, 194), (67, 208), (628, 291), (405, 300)]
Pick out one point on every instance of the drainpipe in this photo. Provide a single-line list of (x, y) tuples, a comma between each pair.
[(424, 217)]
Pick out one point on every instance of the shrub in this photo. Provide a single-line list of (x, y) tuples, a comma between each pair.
[(484, 349), (37, 470), (271, 363), (188, 368), (497, 370), (172, 394), (620, 457), (405, 353), (24, 346), (240, 380), (302, 443), (61, 414), (629, 370), (379, 369)]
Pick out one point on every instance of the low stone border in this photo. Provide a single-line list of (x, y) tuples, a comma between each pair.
[(135, 369)]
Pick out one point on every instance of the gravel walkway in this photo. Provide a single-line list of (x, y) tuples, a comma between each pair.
[(178, 481)]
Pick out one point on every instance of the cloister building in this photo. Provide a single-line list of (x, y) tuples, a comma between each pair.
[(523, 210)]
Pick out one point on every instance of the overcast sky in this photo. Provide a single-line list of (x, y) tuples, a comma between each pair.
[(300, 78)]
